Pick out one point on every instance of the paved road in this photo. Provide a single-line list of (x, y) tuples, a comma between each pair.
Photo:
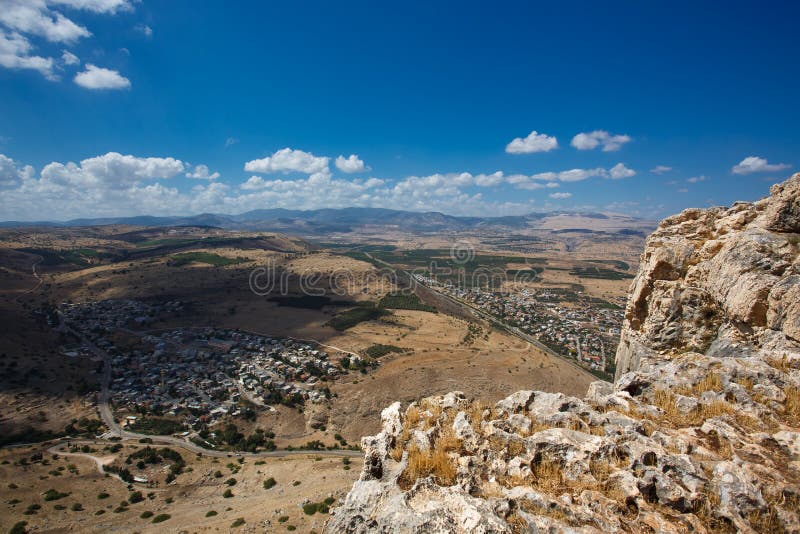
[(488, 317)]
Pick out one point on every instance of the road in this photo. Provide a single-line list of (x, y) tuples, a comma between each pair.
[(36, 275), (486, 316)]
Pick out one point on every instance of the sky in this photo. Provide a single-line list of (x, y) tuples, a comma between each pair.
[(126, 107)]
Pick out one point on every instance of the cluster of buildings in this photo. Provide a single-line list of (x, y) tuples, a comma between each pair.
[(200, 374), (571, 323)]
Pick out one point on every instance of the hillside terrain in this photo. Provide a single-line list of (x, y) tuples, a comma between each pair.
[(700, 431)]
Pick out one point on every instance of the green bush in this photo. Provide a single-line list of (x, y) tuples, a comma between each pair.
[(269, 483), (228, 493), (160, 518), (310, 508), (76, 507), (135, 497), (103, 495), (146, 514), (238, 523), (283, 519), (19, 528), (231, 482), (211, 513), (53, 495)]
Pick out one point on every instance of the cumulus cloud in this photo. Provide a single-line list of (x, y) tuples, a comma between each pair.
[(591, 140), (34, 17), (201, 173), (10, 174), (660, 169), (96, 6), (620, 171), (695, 179), (15, 53), (753, 164), (94, 77), (351, 164), (23, 19), (559, 196), (287, 160), (68, 58), (577, 175), (535, 142)]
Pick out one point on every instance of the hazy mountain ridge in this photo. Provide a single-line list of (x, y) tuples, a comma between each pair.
[(346, 219)]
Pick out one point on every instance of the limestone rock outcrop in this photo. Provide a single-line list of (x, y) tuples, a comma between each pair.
[(700, 431)]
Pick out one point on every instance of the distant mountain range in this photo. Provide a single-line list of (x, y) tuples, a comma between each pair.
[(345, 220)]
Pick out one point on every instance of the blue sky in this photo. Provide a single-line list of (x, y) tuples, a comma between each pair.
[(108, 107)]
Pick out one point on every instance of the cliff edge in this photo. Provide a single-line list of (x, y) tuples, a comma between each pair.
[(699, 433)]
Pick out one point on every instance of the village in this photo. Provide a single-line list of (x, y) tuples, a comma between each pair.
[(197, 374), (570, 323)]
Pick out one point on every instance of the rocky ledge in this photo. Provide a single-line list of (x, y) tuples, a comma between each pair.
[(700, 431)]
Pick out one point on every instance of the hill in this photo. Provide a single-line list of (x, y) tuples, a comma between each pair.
[(699, 432)]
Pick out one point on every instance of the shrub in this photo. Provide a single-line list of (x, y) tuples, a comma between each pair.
[(231, 481), (146, 514), (135, 497), (283, 519), (160, 518), (103, 495), (228, 493), (76, 507), (269, 483), (211, 513), (19, 528), (291, 528), (239, 522), (59, 507), (310, 508), (53, 495)]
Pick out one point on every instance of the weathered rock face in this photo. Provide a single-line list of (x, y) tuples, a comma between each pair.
[(699, 432), (711, 280)]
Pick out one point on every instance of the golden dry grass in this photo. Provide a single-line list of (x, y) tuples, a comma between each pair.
[(432, 462), (792, 404)]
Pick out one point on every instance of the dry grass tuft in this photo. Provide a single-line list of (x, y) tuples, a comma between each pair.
[(781, 364), (792, 404), (548, 475), (746, 382), (433, 462)]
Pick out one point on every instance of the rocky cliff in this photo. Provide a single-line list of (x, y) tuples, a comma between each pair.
[(699, 432)]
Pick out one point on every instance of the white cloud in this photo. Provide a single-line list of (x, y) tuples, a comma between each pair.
[(683, 190), (288, 160), (619, 171), (660, 169), (695, 179), (591, 140), (10, 174), (15, 53), (201, 173), (68, 58), (100, 78), (351, 164), (96, 6), (576, 175), (559, 196), (230, 141), (145, 30), (35, 18), (753, 164), (535, 142)]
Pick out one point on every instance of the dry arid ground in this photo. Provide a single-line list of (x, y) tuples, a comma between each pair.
[(187, 501)]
